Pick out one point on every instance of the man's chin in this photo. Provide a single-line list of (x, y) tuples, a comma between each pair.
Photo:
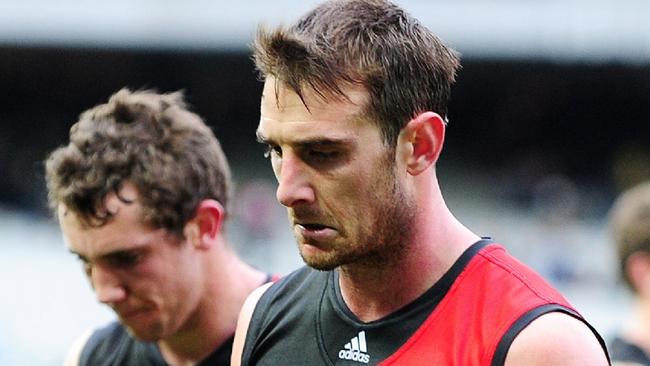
[(145, 335), (321, 266), (319, 262)]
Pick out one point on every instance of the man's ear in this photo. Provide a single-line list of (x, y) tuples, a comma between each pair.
[(637, 266), (424, 136), (203, 229)]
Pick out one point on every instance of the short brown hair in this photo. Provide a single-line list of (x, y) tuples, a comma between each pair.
[(630, 224), (147, 139), (404, 67)]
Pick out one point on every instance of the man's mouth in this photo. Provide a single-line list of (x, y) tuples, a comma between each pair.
[(314, 232), (131, 313), (314, 227)]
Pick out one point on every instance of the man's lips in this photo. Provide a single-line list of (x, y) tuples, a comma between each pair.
[(315, 232), (312, 226), (128, 314)]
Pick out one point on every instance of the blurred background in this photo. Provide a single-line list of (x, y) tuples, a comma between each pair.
[(550, 120)]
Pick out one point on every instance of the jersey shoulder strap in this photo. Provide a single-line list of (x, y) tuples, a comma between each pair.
[(491, 301)]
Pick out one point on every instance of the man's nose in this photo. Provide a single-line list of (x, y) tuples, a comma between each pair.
[(107, 285), (294, 186)]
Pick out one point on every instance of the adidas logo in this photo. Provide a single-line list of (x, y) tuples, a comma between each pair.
[(356, 349)]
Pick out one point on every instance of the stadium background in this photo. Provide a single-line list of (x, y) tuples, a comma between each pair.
[(550, 119)]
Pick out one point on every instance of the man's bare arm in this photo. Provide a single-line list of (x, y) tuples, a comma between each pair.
[(556, 339), (242, 323)]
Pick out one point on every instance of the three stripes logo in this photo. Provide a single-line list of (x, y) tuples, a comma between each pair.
[(356, 349)]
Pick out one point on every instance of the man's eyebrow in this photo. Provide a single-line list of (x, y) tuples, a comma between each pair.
[(311, 142), (78, 255), (324, 142), (113, 253)]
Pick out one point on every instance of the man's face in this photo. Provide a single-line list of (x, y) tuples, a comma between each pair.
[(147, 276), (336, 177)]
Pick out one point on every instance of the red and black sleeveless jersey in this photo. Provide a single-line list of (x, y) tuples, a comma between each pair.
[(469, 317)]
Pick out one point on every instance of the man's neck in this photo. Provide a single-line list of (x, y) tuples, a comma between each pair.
[(372, 292), (215, 320), (638, 329), (190, 348)]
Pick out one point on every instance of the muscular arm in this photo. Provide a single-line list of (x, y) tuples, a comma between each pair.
[(242, 324), (556, 339)]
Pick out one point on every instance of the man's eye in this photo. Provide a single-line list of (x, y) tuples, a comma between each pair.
[(272, 151), (124, 260), (85, 265), (323, 155)]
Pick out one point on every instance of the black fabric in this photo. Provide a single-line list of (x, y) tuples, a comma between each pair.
[(621, 350), (303, 320), (113, 346)]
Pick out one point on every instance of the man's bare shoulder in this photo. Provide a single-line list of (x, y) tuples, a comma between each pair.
[(556, 339), (243, 322)]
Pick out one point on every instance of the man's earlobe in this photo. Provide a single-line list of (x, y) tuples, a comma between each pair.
[(426, 134)]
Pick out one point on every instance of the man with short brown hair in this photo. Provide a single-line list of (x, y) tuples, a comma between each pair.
[(630, 228), (354, 112), (141, 193)]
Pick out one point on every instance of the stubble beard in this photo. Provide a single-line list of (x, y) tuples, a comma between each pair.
[(388, 236)]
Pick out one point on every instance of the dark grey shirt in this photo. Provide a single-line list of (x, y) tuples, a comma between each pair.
[(621, 350), (113, 346)]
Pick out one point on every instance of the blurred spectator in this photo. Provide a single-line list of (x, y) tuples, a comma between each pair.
[(630, 226), (555, 203), (260, 228), (257, 210)]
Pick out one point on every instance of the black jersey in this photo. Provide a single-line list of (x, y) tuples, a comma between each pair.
[(624, 351), (113, 346)]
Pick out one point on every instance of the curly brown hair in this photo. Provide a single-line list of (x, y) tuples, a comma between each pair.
[(404, 67), (149, 140)]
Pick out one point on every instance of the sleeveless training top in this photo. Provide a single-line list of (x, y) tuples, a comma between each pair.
[(624, 351), (469, 317), (113, 346)]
